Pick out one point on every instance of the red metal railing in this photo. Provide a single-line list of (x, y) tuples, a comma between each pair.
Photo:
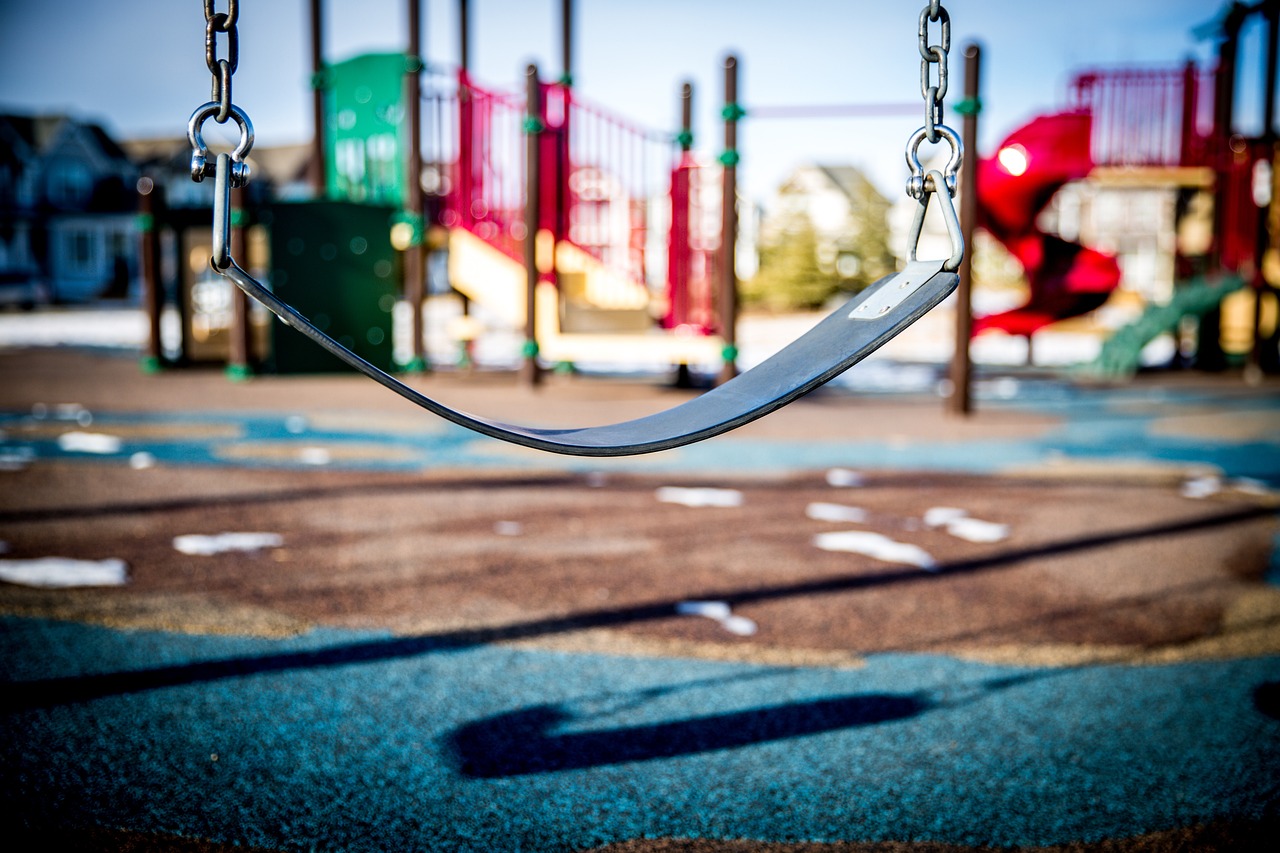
[(608, 186), (693, 249), (1147, 117)]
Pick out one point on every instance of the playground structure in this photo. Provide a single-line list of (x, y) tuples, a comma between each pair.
[(627, 257), (601, 239), (594, 235), (1167, 129)]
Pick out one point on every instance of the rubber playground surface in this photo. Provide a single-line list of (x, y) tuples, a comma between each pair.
[(859, 624)]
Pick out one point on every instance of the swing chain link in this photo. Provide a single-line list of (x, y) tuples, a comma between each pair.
[(221, 69), (933, 91), (935, 54)]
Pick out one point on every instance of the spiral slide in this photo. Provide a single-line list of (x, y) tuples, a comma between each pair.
[(1066, 279)]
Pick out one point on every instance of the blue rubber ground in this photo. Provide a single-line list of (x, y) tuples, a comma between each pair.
[(1115, 426), (342, 741)]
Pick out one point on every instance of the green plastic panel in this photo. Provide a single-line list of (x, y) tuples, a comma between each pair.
[(333, 261)]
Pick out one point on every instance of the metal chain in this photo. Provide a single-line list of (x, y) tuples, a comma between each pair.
[(921, 185), (935, 54), (933, 90), (221, 69), (227, 170)]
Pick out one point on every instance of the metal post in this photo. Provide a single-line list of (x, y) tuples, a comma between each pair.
[(465, 130), (678, 242), (729, 224), (961, 401), (1260, 361), (530, 374), (151, 204), (317, 100), (1272, 13), (1188, 132), (566, 41), (238, 355), (678, 260), (414, 258)]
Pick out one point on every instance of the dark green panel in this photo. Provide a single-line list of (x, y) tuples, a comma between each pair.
[(333, 261)]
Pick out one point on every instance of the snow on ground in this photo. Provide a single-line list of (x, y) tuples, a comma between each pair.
[(928, 342)]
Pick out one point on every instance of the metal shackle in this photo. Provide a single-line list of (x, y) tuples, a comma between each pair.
[(201, 164), (915, 184)]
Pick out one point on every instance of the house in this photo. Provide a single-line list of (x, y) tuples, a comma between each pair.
[(67, 210), (825, 232)]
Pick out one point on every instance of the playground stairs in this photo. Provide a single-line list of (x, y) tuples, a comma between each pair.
[(594, 316), (1120, 355)]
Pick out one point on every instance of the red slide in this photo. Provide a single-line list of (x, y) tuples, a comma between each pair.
[(1066, 279)]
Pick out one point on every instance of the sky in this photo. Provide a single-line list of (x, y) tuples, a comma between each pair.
[(138, 67)]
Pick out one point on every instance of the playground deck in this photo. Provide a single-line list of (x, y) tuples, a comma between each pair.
[(465, 646)]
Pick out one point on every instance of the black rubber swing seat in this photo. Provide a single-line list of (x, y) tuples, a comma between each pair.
[(848, 335)]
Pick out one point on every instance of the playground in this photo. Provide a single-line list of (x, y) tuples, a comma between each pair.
[(517, 533)]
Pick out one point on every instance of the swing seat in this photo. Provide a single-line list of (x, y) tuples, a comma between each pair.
[(848, 335)]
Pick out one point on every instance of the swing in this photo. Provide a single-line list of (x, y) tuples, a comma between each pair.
[(848, 335)]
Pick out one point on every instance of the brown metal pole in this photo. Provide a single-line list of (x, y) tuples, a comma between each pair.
[(238, 355), (464, 128), (415, 254), (317, 172), (464, 35), (151, 204), (566, 41), (1258, 360), (961, 400), (530, 374), (729, 224)]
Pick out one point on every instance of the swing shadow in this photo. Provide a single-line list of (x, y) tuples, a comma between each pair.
[(64, 690), (522, 742)]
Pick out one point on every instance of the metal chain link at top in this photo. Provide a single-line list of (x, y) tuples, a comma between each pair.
[(935, 54), (933, 91), (221, 69)]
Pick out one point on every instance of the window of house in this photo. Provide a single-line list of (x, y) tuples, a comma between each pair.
[(69, 184), (81, 250)]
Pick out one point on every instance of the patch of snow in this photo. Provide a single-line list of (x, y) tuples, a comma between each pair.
[(958, 523), (1202, 487), (843, 478), (63, 572), (739, 625), (699, 497), (836, 512), (977, 530), (875, 545), (314, 456), (141, 461), (940, 516), (89, 442), (203, 545), (719, 611)]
